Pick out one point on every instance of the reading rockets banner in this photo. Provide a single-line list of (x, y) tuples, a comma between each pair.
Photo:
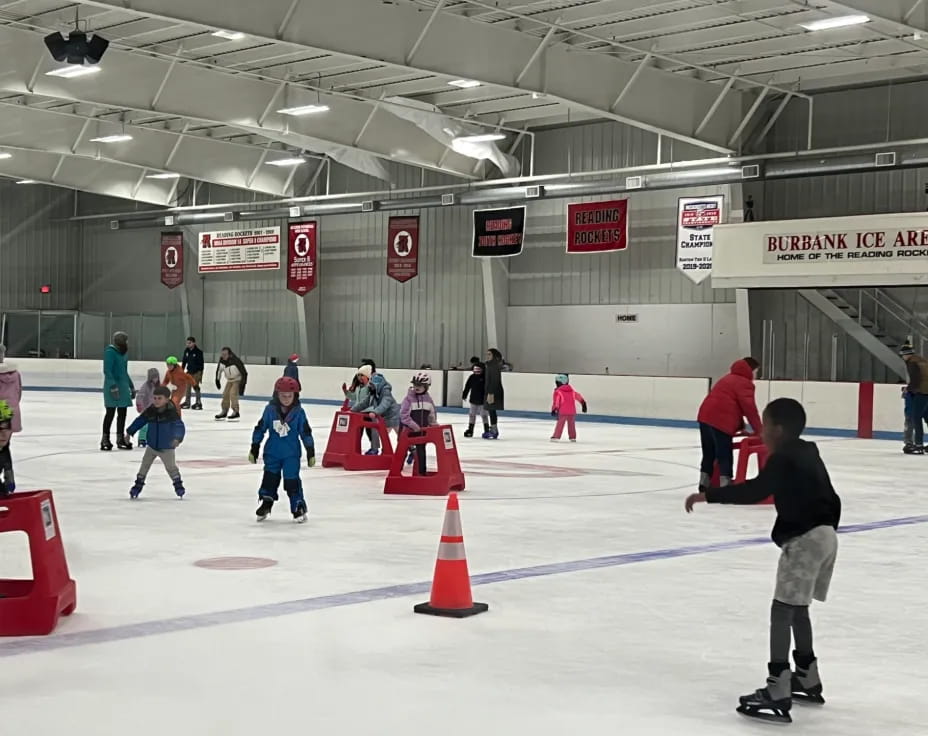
[(403, 248), (172, 259), (301, 257), (696, 220), (597, 227), (498, 232), (240, 250)]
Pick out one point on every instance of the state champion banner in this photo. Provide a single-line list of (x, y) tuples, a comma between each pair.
[(696, 221), (172, 259), (257, 249), (302, 246), (403, 248), (597, 227), (499, 233)]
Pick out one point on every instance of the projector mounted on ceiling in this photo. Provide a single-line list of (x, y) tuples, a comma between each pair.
[(78, 47)]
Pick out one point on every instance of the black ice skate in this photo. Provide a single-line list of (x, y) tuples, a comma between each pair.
[(185, 405), (105, 444), (179, 487), (234, 416), (300, 515), (221, 415), (136, 490), (771, 703), (198, 406), (806, 683), (264, 509), (123, 443), (469, 432), (913, 450)]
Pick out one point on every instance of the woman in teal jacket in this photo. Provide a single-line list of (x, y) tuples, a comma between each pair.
[(118, 391)]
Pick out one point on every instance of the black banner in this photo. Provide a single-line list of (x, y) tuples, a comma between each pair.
[(499, 233)]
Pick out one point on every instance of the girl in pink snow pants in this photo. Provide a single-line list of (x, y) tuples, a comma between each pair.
[(564, 407)]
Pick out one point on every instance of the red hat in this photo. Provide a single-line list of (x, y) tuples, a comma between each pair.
[(294, 358)]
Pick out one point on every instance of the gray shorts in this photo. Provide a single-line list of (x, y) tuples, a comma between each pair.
[(806, 566)]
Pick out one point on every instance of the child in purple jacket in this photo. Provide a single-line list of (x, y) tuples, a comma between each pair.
[(416, 413)]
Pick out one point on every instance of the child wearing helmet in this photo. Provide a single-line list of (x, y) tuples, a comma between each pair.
[(7, 481), (286, 425), (176, 381), (564, 407), (418, 412)]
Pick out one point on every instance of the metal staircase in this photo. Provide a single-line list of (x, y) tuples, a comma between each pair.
[(875, 320)]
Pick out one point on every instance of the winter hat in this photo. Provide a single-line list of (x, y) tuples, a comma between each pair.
[(294, 358), (561, 379), (171, 360), (907, 349), (365, 370)]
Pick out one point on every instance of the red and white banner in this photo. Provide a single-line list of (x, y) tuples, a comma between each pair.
[(597, 227), (172, 259), (403, 248), (697, 218), (240, 250), (301, 257)]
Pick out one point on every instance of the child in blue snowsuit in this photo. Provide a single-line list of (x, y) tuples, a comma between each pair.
[(286, 425)]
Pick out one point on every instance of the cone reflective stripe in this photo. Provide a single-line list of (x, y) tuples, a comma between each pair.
[(451, 595)]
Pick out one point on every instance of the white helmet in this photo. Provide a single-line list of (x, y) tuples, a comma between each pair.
[(422, 379)]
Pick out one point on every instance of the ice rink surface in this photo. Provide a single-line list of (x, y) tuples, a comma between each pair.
[(655, 627)]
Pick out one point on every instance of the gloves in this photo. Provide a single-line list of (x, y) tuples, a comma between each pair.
[(311, 461), (175, 444), (583, 406), (218, 385), (133, 393), (554, 412), (345, 389), (7, 488), (253, 454), (114, 392)]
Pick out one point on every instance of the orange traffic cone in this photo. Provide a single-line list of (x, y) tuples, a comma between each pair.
[(451, 594)]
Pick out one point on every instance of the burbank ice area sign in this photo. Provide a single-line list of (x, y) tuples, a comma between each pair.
[(846, 246)]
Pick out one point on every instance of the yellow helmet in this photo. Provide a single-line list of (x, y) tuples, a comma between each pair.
[(6, 413)]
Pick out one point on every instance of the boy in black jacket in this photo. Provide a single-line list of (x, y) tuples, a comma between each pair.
[(808, 512), (476, 389), (193, 364)]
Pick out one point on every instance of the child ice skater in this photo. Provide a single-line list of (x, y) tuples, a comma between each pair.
[(286, 425), (476, 389), (564, 407), (721, 418), (380, 404), (416, 413), (808, 513), (144, 398), (7, 480), (177, 382), (165, 432)]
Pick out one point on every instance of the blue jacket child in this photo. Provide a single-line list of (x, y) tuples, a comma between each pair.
[(287, 426), (165, 432)]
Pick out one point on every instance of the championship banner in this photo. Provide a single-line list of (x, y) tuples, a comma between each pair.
[(240, 250), (172, 259), (301, 257), (498, 233), (696, 221), (403, 248), (597, 227)]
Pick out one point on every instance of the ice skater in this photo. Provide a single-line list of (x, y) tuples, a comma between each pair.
[(380, 405), (118, 391), (231, 367), (808, 513), (494, 401), (286, 425), (916, 400), (144, 398), (177, 382), (7, 479), (416, 413), (564, 407), (476, 389), (193, 363), (165, 433)]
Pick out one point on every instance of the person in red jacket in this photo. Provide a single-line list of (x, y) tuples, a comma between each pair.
[(721, 417)]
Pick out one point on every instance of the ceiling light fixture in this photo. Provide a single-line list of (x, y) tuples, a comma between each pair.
[(5, 155), (287, 162), (78, 48), (464, 83), (27, 181), (69, 72), (163, 175), (304, 110), (840, 21), (115, 138), (482, 138), (229, 35)]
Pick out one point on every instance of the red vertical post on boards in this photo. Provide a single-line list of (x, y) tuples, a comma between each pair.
[(302, 249), (865, 410)]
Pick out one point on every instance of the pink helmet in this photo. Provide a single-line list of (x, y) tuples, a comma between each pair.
[(422, 379)]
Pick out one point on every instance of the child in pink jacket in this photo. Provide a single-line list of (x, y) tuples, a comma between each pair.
[(564, 407), (11, 389)]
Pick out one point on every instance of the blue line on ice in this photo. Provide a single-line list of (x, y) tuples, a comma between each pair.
[(13, 647)]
